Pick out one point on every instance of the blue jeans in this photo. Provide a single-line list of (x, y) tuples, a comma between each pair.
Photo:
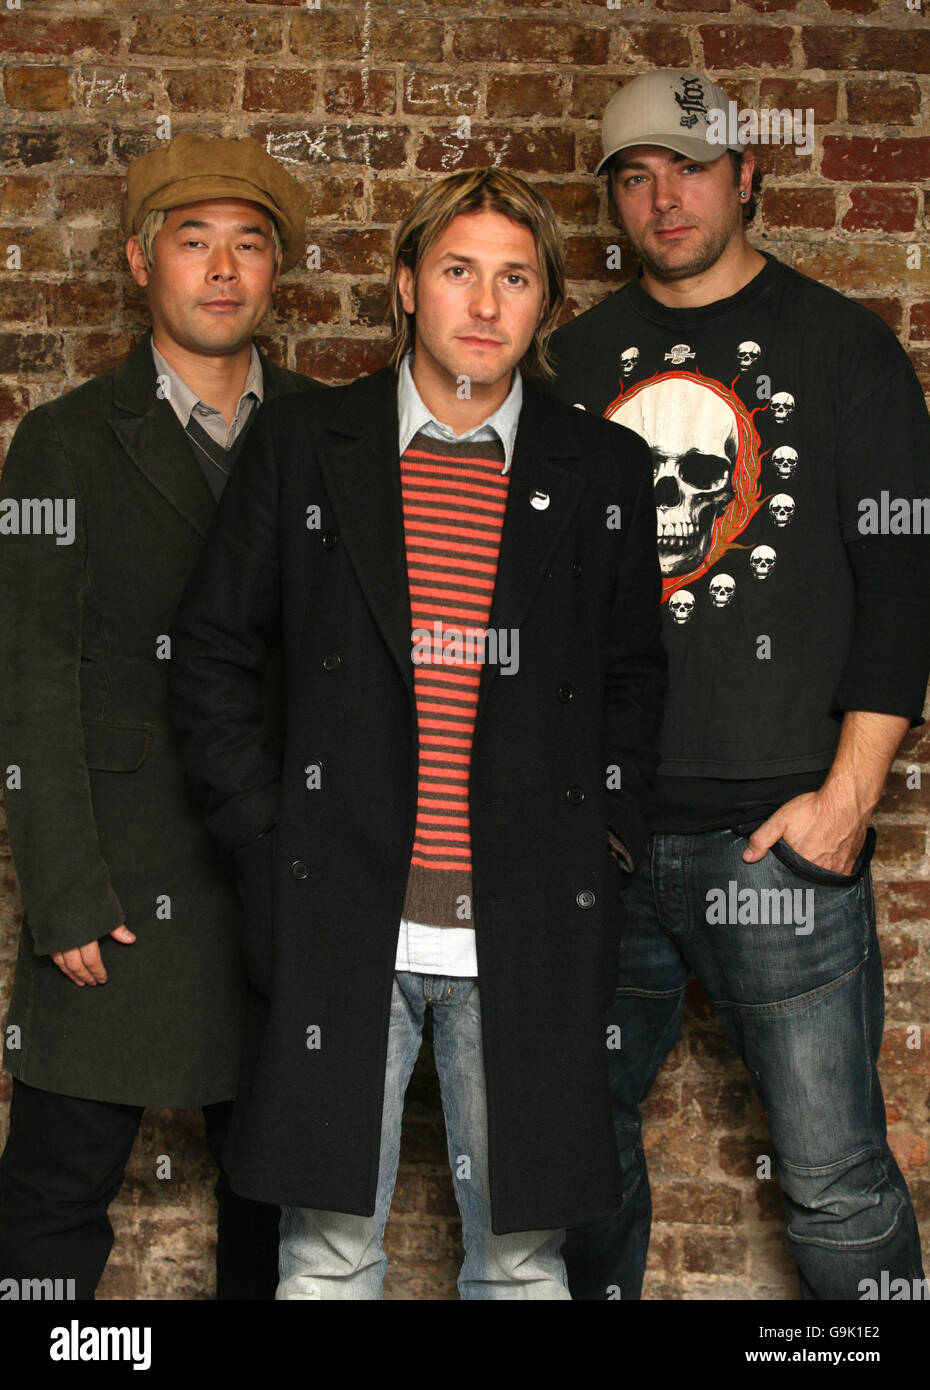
[(802, 1000), (333, 1255)]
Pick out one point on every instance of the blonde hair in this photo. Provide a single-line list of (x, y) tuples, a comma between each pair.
[(154, 221), (479, 190)]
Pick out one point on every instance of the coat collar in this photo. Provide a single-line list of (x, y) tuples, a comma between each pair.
[(359, 459), (152, 437)]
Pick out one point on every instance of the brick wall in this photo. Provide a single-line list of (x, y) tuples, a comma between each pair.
[(364, 101)]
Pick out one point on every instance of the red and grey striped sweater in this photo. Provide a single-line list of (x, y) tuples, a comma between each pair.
[(454, 499)]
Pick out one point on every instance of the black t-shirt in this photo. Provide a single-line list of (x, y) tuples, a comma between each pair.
[(783, 422)]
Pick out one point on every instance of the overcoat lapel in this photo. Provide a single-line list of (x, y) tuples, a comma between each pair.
[(531, 533), (360, 464), (152, 437)]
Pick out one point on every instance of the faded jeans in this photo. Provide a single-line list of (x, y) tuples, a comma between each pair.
[(803, 1003), (334, 1255)]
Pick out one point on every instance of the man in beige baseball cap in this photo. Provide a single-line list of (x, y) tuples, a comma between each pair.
[(130, 987)]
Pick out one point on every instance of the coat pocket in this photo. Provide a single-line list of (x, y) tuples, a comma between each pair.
[(254, 881), (115, 747)]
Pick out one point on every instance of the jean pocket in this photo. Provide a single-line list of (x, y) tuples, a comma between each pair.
[(815, 873)]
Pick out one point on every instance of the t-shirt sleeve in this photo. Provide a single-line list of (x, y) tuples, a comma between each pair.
[(883, 481)]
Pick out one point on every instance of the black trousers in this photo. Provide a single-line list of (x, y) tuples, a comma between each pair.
[(63, 1164)]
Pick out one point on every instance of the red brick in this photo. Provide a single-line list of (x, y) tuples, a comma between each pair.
[(696, 1203), (92, 353), (909, 1002), (704, 6), (525, 94), (894, 160), (297, 303), (273, 346), (332, 142), (835, 48), (770, 6), (576, 204), (344, 359), (896, 1056), (881, 209), (769, 1200), (799, 207), (21, 34), (782, 161), (99, 248), (746, 46), (214, 36), (13, 404), (911, 1150), (37, 88), (739, 1154), (590, 95), (98, 195), (440, 93), (852, 267), (200, 88), (719, 1101), (371, 306), (278, 89), (891, 310), (716, 1253), (335, 195), (663, 45), (365, 251), (21, 300), (920, 322), (75, 303), (542, 149), (339, 34), (799, 94), (119, 89), (23, 149), (40, 248), (409, 1191), (22, 195), (440, 1195), (586, 258), (392, 199), (899, 845), (920, 361), (517, 40), (853, 6), (898, 797), (897, 948), (882, 100), (30, 354), (350, 91)]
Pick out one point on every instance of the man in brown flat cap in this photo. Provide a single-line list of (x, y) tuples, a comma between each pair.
[(129, 985)]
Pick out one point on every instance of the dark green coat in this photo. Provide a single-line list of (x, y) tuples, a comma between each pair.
[(102, 827)]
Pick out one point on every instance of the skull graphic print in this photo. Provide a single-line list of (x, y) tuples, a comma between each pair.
[(705, 459)]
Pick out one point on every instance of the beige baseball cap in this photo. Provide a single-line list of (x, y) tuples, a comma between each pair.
[(668, 107), (195, 169)]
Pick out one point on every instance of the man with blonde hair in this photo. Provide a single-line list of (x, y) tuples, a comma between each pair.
[(471, 641), (129, 986)]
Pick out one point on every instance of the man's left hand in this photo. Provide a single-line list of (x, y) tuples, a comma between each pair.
[(818, 826)]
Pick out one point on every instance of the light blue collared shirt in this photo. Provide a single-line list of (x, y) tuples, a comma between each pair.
[(421, 948), (414, 416), (186, 402)]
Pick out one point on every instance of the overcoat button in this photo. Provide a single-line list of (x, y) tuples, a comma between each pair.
[(564, 694), (299, 868), (586, 898), (575, 795), (539, 500), (332, 662), (577, 567), (329, 539)]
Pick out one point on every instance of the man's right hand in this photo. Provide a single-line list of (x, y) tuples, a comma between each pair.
[(84, 965)]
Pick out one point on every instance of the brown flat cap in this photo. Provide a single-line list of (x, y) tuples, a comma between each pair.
[(195, 169)]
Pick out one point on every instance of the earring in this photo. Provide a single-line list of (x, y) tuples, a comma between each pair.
[(744, 196)]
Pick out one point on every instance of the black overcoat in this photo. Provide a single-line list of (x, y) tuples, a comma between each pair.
[(308, 548), (103, 827)]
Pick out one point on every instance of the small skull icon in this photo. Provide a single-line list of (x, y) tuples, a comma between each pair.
[(781, 509), (762, 561), (628, 360), (785, 460), (721, 589), (747, 355), (681, 606), (782, 406)]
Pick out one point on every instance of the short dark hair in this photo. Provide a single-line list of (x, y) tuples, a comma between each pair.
[(736, 159)]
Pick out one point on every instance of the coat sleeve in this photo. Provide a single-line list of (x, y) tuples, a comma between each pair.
[(67, 894), (226, 627), (636, 670)]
